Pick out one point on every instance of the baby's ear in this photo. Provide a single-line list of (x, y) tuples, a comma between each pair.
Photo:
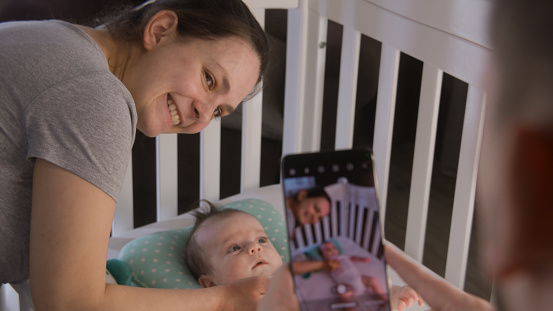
[(205, 281)]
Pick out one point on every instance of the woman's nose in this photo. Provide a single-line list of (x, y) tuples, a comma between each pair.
[(203, 111)]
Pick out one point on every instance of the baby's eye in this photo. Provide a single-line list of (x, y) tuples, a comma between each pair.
[(234, 248), (263, 240), (209, 80)]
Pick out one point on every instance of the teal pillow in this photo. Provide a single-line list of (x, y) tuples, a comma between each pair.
[(157, 260)]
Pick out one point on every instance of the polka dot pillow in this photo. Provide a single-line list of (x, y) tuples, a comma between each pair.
[(157, 260)]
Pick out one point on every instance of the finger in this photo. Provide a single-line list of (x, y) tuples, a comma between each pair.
[(436, 292), (401, 306)]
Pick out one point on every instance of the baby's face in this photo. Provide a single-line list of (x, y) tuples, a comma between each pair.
[(328, 250), (236, 247)]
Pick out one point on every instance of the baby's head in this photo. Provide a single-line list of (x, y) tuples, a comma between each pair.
[(228, 245), (328, 250)]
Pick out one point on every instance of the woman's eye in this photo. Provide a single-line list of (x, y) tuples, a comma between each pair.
[(234, 249), (263, 240), (209, 80), (218, 112)]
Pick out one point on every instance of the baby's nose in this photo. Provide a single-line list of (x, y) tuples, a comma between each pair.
[(255, 248)]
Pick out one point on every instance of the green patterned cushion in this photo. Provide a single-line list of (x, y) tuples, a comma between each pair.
[(157, 259)]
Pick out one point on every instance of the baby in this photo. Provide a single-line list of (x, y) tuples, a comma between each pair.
[(228, 245), (349, 282)]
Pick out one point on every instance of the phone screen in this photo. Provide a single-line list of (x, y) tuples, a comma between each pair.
[(335, 237)]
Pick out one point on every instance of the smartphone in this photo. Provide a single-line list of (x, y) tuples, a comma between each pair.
[(334, 231)]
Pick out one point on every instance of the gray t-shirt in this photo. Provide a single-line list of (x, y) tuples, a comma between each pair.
[(58, 102)]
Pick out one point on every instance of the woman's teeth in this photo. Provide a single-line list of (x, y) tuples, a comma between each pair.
[(173, 110)]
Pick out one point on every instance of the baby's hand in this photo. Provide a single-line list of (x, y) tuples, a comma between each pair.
[(331, 264), (404, 297)]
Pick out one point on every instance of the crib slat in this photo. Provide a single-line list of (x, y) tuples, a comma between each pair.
[(295, 73), (352, 211), (167, 176), (384, 120), (123, 218), (210, 161), (357, 238), (303, 96), (463, 205), (251, 132), (314, 83), (427, 123), (347, 92), (251, 143)]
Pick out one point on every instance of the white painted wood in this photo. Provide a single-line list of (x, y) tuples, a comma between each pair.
[(210, 161), (304, 92), (124, 210), (384, 121), (251, 144), (251, 133), (295, 77), (457, 56), (271, 4), (462, 18), (314, 82), (465, 189), (427, 123), (347, 90), (167, 176)]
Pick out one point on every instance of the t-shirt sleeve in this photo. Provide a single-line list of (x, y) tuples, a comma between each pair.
[(86, 126)]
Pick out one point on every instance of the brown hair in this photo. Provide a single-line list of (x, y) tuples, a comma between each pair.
[(194, 256)]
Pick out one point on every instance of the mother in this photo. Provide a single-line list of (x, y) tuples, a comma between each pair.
[(72, 98)]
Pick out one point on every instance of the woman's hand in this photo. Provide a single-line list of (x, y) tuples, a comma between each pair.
[(436, 292), (331, 265), (244, 294), (280, 294)]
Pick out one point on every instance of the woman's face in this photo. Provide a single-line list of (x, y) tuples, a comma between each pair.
[(310, 210), (180, 86)]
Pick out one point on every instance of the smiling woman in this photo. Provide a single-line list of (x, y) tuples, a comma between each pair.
[(204, 72), (72, 109)]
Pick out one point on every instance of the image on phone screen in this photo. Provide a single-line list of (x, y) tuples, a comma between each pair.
[(334, 231)]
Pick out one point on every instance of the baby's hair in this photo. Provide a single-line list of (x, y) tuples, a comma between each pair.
[(194, 256)]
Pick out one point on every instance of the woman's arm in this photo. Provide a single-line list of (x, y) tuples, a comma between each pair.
[(436, 292), (70, 227)]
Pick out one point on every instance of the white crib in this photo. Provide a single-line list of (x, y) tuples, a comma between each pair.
[(352, 215), (447, 36)]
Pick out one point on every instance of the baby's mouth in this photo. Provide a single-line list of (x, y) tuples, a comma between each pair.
[(173, 110), (259, 263)]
